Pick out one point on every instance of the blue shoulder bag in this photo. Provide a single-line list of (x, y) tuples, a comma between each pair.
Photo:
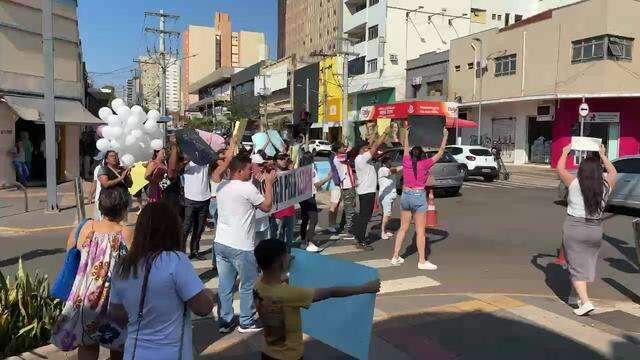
[(64, 281)]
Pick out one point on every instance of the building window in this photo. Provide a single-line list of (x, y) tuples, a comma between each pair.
[(373, 32), (588, 49), (506, 65), (619, 48), (372, 66), (457, 67), (517, 18), (499, 17), (478, 16), (373, 2), (434, 88), (470, 65), (356, 66), (493, 16)]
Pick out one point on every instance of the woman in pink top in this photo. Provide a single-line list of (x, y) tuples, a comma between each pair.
[(413, 202)]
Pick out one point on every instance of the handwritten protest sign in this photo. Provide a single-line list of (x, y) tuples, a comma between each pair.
[(291, 187)]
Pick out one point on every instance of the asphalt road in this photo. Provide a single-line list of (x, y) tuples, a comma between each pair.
[(494, 238)]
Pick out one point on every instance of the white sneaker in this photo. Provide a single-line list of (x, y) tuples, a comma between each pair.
[(427, 265), (397, 261), (584, 309), (312, 248), (389, 234), (384, 236)]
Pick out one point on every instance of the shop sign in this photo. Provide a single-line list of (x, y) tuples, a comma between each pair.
[(603, 117), (403, 110)]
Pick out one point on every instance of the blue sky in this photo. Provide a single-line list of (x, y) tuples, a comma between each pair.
[(112, 36)]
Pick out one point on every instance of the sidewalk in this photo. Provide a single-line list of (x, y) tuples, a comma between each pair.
[(454, 326)]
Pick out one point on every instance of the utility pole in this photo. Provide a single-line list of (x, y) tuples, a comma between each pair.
[(162, 54), (323, 71), (49, 113), (265, 101)]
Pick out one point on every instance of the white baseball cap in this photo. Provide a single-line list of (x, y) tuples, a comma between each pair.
[(257, 159)]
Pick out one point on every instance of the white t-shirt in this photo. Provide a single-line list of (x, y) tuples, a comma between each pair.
[(172, 282), (575, 202), (98, 185), (214, 188), (237, 201), (196, 182), (343, 173), (386, 182), (366, 173)]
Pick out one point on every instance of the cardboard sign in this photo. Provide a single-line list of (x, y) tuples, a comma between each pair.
[(426, 130), (383, 125), (260, 141), (582, 143), (291, 187), (276, 140), (239, 128), (343, 323), (137, 178)]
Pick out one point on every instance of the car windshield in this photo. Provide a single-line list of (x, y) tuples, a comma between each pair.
[(480, 152), (446, 157)]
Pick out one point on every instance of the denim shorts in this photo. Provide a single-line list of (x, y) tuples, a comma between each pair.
[(413, 200)]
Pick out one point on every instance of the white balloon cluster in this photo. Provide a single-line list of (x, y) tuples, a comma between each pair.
[(130, 132)]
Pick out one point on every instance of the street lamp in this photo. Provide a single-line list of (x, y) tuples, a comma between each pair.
[(478, 61)]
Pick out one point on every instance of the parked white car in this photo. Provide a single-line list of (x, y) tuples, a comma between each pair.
[(478, 160), (320, 146)]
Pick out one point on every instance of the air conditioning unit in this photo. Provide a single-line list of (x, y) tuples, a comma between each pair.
[(416, 81), (393, 58), (545, 113)]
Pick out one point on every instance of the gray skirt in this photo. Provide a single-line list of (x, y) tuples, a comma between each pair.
[(582, 240)]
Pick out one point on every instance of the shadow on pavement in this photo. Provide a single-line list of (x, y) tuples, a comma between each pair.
[(623, 290), (626, 249), (30, 255), (437, 335), (434, 236), (556, 278)]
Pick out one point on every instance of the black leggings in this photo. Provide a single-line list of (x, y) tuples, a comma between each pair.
[(309, 216), (362, 219)]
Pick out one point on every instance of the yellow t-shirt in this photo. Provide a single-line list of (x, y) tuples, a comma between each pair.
[(279, 308)]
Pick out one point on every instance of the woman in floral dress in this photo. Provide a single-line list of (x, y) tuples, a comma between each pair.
[(155, 173), (84, 323)]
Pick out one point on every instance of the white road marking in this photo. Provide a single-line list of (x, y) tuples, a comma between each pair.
[(376, 263), (336, 250), (212, 284), (202, 264), (598, 340), (411, 283)]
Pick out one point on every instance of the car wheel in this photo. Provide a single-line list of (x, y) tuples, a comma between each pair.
[(489, 178), (466, 171)]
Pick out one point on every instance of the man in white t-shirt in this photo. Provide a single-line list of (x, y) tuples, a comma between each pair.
[(238, 200), (196, 205), (366, 189)]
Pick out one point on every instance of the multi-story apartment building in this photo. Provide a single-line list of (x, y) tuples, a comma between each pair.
[(307, 26), (150, 79), (535, 74), (387, 33), (22, 87), (206, 49), (134, 90)]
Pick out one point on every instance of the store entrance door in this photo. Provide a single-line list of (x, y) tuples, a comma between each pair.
[(539, 136)]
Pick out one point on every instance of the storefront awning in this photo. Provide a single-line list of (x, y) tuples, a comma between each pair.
[(67, 111)]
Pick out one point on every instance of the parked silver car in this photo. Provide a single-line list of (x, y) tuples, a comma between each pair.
[(626, 193), (448, 174)]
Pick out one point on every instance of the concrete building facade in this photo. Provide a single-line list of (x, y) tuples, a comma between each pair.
[(22, 87), (536, 73), (206, 49), (150, 79), (306, 26)]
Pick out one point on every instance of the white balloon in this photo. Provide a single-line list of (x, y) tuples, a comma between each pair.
[(153, 115), (104, 113), (114, 120), (150, 126), (137, 109), (116, 131), (106, 132), (137, 133), (102, 144), (129, 140), (133, 122), (114, 145), (142, 117), (123, 112), (156, 144), (127, 159), (116, 103)]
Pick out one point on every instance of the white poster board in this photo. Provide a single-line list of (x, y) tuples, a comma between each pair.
[(291, 187), (583, 143)]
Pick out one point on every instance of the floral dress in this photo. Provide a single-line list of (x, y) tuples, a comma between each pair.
[(84, 320)]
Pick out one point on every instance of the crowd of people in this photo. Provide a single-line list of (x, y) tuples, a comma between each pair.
[(136, 289)]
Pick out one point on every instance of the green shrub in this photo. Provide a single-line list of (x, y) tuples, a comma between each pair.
[(27, 312)]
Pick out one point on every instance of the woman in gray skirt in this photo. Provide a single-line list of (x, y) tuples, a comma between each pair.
[(582, 230)]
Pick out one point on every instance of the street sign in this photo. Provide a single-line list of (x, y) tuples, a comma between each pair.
[(584, 109)]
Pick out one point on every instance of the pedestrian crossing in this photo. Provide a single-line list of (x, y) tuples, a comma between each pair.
[(511, 184)]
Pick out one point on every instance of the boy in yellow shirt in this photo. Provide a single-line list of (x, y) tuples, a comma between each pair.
[(279, 304)]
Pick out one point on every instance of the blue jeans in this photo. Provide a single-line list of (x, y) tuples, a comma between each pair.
[(213, 210), (284, 229), (22, 171), (234, 263)]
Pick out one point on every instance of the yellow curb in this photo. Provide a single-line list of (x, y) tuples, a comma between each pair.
[(33, 230)]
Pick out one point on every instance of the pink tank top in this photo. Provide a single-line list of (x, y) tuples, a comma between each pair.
[(419, 180)]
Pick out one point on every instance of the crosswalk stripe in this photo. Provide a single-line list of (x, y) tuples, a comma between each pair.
[(376, 263), (596, 339), (404, 284), (212, 283), (336, 250), (201, 264)]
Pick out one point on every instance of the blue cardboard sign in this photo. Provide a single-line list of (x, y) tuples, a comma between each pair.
[(343, 323)]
